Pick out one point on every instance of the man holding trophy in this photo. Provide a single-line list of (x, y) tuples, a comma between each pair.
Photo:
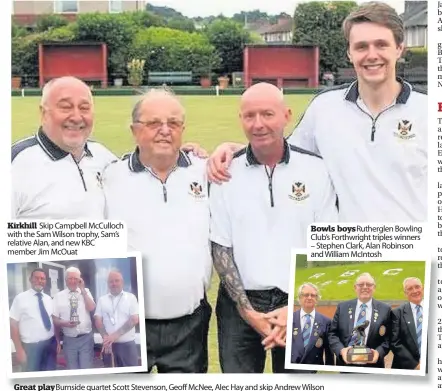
[(359, 330), (72, 308)]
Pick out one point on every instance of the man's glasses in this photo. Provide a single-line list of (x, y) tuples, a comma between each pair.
[(172, 124), (312, 295)]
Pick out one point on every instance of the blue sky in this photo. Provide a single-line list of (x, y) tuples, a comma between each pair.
[(191, 8)]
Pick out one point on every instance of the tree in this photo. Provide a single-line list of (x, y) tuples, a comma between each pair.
[(229, 39), (168, 50), (145, 19), (51, 21), (17, 30), (115, 30), (320, 23), (184, 24), (252, 16)]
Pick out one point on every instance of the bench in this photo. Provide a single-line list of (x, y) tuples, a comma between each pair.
[(169, 77)]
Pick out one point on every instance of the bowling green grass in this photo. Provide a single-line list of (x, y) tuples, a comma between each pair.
[(209, 121), (336, 281)]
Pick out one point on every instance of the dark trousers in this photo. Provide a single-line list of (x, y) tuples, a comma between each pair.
[(125, 355), (179, 345), (41, 356), (240, 348)]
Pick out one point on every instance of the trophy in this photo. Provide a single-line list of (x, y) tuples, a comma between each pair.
[(73, 301), (358, 352)]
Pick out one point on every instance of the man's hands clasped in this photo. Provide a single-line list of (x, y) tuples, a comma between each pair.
[(272, 326)]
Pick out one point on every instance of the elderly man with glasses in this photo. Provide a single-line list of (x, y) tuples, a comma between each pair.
[(162, 195), (310, 330), (352, 313)]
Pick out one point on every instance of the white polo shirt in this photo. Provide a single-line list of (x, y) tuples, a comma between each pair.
[(26, 311), (169, 223), (115, 312), (263, 215), (378, 165), (47, 182), (62, 310)]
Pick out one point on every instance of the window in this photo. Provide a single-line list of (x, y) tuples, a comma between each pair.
[(61, 6), (115, 6)]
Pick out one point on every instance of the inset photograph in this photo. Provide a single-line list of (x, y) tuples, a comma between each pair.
[(80, 316), (358, 316)]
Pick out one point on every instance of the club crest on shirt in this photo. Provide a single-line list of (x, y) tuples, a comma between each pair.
[(299, 192), (196, 190), (382, 330), (319, 342), (404, 130)]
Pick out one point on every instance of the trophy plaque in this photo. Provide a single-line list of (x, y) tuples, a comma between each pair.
[(358, 352), (73, 301)]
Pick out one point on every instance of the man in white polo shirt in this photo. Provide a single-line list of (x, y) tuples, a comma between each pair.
[(116, 316), (373, 133), (72, 312), (56, 174), (32, 330), (263, 212), (161, 194)]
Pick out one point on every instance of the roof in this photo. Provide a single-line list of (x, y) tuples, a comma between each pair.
[(416, 14), (285, 26)]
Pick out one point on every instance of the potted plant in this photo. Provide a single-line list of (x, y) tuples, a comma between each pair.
[(118, 66), (205, 80), (223, 82), (136, 72), (16, 72), (329, 78)]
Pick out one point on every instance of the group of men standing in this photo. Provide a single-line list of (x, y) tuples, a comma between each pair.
[(318, 340), (262, 196), (40, 325)]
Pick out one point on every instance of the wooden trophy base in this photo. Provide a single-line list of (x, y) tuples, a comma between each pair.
[(359, 355)]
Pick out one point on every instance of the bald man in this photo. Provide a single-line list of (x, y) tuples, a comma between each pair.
[(56, 174), (162, 195), (115, 317), (276, 190)]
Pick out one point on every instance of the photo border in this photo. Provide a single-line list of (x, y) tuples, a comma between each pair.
[(92, 371)]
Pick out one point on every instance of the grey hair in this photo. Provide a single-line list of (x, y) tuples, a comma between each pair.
[(151, 94), (318, 293), (73, 269), (365, 275), (51, 83), (409, 279)]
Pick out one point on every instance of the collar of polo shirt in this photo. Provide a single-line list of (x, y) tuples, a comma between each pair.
[(251, 159), (135, 164), (52, 149), (120, 294), (352, 94)]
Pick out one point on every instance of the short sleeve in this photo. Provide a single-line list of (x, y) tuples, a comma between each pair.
[(220, 226), (99, 308), (14, 312)]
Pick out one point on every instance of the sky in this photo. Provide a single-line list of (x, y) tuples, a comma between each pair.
[(192, 8)]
